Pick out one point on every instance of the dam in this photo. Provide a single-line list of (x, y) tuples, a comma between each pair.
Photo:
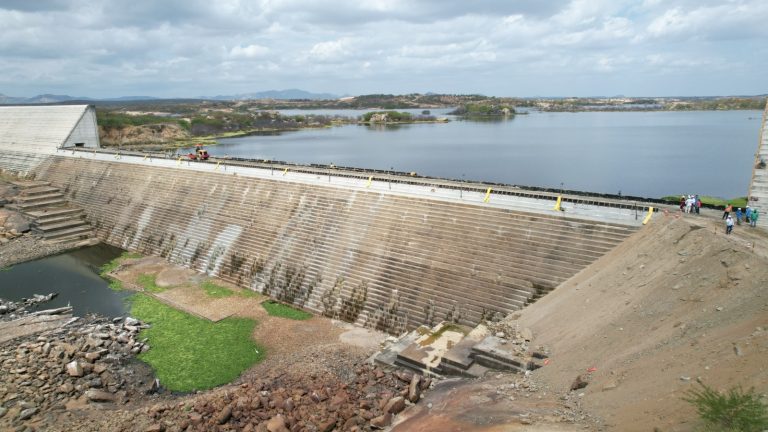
[(384, 250)]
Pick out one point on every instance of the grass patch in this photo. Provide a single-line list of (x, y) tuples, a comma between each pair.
[(115, 285), (734, 411), (246, 293), (148, 282), (4, 269), (713, 201), (190, 353), (216, 291), (278, 309)]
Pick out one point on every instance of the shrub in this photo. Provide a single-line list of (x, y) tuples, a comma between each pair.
[(733, 411)]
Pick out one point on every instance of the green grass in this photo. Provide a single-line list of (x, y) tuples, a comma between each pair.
[(715, 201), (216, 291), (248, 293), (284, 311), (148, 282), (115, 285), (733, 411), (190, 353), (4, 269)]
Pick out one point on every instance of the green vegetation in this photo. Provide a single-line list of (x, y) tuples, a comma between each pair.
[(149, 283), (387, 116), (216, 291), (190, 353), (119, 120), (284, 311), (4, 269), (246, 293), (713, 201), (484, 109), (734, 411), (106, 269), (436, 335)]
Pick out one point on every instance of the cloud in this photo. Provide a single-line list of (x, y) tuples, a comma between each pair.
[(248, 52), (193, 47)]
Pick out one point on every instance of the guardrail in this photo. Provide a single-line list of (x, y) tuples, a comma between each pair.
[(639, 204)]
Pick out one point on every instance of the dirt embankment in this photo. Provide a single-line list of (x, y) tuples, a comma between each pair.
[(164, 133), (677, 303)]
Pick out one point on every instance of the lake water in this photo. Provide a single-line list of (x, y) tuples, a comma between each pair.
[(647, 154), (73, 275)]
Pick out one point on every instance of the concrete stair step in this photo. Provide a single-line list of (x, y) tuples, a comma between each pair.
[(28, 199), (55, 213), (30, 184), (39, 190), (55, 202), (49, 227), (59, 219), (85, 231)]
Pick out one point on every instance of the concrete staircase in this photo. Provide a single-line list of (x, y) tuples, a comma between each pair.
[(52, 216), (381, 260)]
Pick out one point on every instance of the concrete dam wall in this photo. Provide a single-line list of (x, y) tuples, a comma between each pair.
[(371, 255)]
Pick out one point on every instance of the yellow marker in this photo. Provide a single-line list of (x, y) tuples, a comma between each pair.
[(146, 156), (648, 217), (369, 182), (557, 204), (217, 166), (117, 155), (487, 195), (179, 162), (285, 172)]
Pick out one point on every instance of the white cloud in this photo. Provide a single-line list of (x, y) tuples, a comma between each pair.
[(248, 52)]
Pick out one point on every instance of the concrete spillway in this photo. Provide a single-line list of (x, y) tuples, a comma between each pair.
[(758, 188), (382, 255)]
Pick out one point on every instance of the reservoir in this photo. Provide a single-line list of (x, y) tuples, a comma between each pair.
[(648, 154), (74, 276)]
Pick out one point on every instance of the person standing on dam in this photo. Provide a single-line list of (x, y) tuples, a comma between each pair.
[(739, 216), (728, 224), (753, 219), (728, 210)]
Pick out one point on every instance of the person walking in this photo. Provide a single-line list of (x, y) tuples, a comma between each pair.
[(748, 214), (739, 215), (728, 210), (728, 224), (753, 218), (698, 205)]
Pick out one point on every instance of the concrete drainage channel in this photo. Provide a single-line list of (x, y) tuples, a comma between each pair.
[(451, 350)]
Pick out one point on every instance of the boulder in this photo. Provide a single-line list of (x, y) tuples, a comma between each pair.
[(16, 222), (74, 369), (99, 396), (277, 424), (395, 405), (382, 421)]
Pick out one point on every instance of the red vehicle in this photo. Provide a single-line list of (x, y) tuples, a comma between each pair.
[(199, 154)]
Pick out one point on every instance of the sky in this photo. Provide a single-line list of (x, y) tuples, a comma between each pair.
[(525, 48)]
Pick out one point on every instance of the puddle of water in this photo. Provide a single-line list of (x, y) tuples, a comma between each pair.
[(74, 276)]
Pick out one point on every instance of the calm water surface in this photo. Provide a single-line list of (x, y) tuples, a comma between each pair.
[(74, 276), (638, 153)]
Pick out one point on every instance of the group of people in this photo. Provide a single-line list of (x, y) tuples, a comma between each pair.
[(750, 215), (690, 204)]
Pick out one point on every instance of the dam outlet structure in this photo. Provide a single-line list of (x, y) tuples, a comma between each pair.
[(383, 250)]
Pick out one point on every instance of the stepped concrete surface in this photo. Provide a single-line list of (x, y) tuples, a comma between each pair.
[(758, 188), (52, 216), (390, 252)]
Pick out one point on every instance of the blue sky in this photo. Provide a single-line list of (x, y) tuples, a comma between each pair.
[(187, 48)]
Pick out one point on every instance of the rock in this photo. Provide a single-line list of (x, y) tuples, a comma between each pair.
[(327, 425), (92, 356), (414, 390), (66, 388), (579, 383), (74, 369), (224, 415), (27, 413), (277, 424), (382, 421), (157, 427), (131, 321), (610, 385), (395, 405), (99, 396), (195, 418), (3, 411)]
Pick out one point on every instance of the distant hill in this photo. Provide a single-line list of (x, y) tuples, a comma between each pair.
[(277, 94), (52, 98)]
